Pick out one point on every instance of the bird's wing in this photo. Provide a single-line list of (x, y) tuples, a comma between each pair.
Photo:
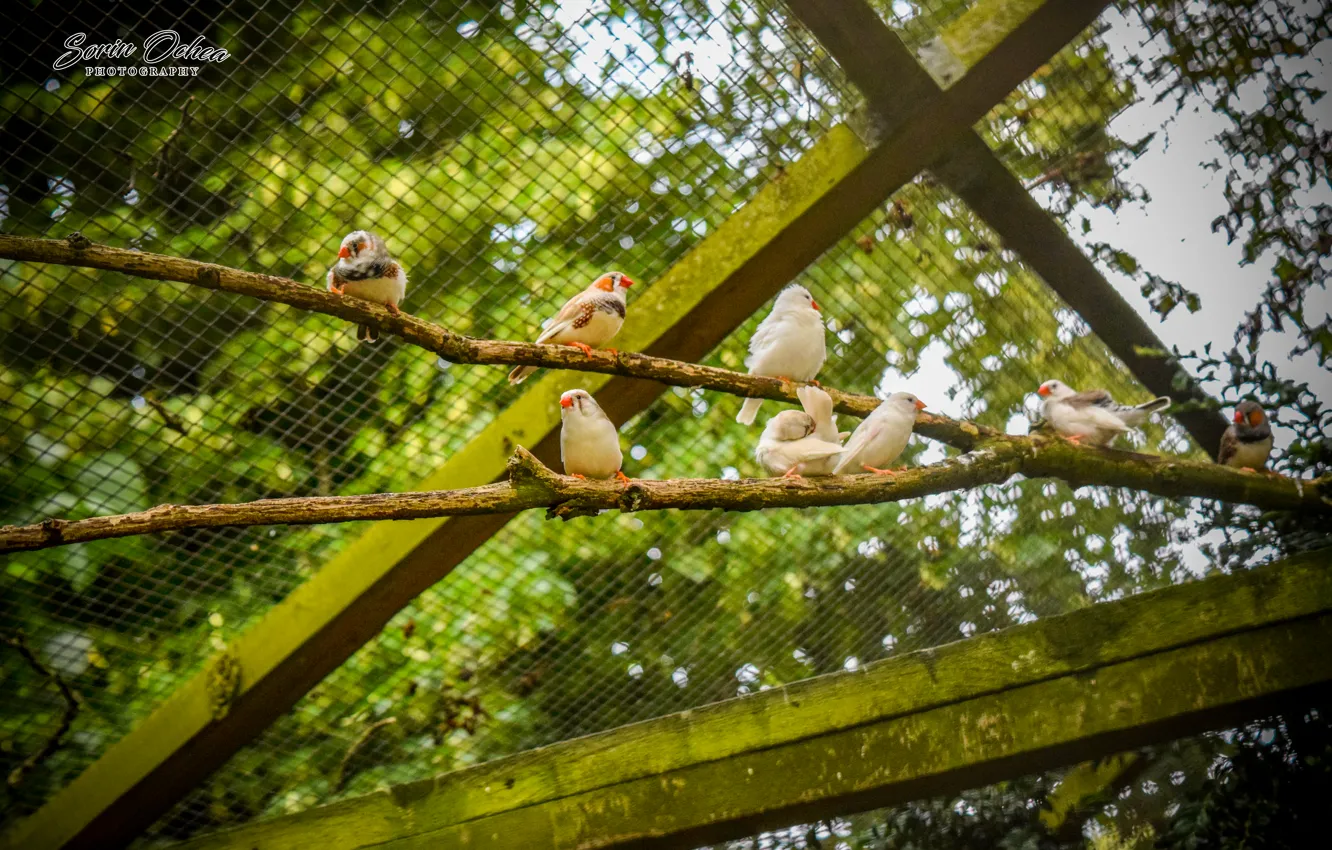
[(812, 448), (1092, 398), (765, 335), (866, 433), (571, 310), (1229, 446)]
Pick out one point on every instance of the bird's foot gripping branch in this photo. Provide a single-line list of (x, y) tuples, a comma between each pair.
[(530, 485)]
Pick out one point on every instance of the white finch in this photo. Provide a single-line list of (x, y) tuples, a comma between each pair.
[(589, 441), (788, 344), (819, 406), (881, 437), (1092, 417), (365, 270), (587, 321), (787, 446), (1247, 443)]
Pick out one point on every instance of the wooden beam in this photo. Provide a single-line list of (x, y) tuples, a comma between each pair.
[(708, 293), (977, 176), (1094, 682), (325, 620), (875, 61)]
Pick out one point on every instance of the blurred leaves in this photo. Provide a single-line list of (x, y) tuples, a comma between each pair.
[(508, 158)]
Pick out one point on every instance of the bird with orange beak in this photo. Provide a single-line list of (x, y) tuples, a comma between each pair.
[(788, 344), (589, 441), (1247, 443), (1093, 417), (365, 270), (588, 320), (882, 437)]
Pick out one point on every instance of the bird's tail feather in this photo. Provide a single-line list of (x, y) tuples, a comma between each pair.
[(365, 333), (1138, 414), (1156, 404), (818, 404), (520, 373), (749, 411)]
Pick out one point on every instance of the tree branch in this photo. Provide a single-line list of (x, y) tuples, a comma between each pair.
[(994, 456), (18, 774), (77, 250), (531, 485)]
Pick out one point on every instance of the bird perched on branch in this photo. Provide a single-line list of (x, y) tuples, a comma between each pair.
[(587, 321), (819, 405), (882, 437), (1248, 442), (788, 344), (787, 446), (1093, 417), (589, 441), (365, 270)]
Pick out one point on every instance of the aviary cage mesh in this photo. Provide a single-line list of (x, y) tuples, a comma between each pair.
[(508, 152)]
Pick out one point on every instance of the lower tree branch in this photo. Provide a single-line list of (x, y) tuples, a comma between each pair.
[(531, 485), (77, 250), (29, 764)]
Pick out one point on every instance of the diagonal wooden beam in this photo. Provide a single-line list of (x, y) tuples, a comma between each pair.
[(1093, 682), (987, 186), (700, 300), (873, 59)]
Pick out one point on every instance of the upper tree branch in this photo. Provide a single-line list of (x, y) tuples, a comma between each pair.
[(79, 251), (532, 485)]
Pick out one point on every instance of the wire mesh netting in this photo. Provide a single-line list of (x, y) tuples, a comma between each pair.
[(508, 152)]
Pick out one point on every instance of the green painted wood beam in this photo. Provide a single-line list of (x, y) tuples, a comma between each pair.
[(323, 621), (700, 300), (872, 58), (1058, 691)]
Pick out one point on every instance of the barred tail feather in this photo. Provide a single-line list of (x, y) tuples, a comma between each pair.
[(1157, 404), (1138, 414), (520, 373)]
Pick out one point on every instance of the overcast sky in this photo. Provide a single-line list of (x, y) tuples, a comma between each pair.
[(1171, 235)]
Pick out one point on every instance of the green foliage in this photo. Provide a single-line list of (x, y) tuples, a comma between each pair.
[(1269, 791), (503, 179)]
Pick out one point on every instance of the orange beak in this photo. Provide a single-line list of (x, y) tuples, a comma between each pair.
[(625, 282), (567, 401), (920, 405), (1043, 391), (814, 304), (344, 252), (1239, 417)]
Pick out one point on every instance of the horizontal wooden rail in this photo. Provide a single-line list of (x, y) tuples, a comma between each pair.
[(1098, 681)]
